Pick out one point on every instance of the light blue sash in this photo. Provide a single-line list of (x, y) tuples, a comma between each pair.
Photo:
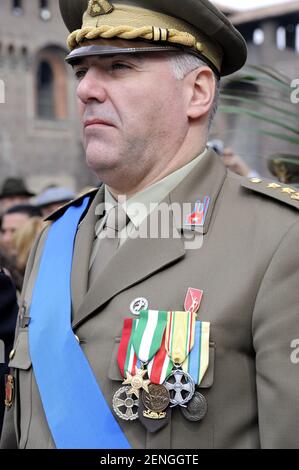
[(77, 413)]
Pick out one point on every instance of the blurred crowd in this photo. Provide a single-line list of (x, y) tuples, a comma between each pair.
[(22, 215)]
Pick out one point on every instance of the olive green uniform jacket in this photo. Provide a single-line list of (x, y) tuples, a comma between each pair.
[(248, 268)]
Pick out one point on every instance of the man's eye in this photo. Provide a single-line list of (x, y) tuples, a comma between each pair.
[(120, 66), (79, 74)]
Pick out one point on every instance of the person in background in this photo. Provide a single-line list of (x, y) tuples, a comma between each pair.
[(8, 317), (14, 192), (23, 240), (9, 267), (231, 160), (53, 198), (12, 220)]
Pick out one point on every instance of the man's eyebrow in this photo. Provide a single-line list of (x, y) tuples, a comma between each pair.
[(76, 62), (80, 61)]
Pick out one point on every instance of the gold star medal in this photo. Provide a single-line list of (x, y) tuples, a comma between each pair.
[(137, 382)]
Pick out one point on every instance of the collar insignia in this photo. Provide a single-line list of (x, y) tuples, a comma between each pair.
[(198, 216)]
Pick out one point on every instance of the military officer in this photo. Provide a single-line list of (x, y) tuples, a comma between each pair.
[(177, 341)]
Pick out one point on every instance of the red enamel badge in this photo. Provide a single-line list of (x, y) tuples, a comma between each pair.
[(193, 299)]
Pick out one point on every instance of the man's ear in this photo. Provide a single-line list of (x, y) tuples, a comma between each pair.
[(201, 92)]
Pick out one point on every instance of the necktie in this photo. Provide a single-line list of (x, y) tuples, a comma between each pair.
[(108, 241)]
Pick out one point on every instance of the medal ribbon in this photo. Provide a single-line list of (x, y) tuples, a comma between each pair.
[(126, 357), (147, 338), (179, 339), (160, 367), (197, 362)]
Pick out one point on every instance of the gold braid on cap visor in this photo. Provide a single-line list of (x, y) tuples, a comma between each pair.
[(128, 22)]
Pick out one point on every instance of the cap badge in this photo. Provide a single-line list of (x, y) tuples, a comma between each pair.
[(99, 7)]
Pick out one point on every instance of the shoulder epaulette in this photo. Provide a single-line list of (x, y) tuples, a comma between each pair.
[(75, 202), (281, 192)]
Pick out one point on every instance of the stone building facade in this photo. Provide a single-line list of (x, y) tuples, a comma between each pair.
[(39, 129)]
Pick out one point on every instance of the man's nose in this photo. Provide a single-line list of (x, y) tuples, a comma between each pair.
[(92, 87)]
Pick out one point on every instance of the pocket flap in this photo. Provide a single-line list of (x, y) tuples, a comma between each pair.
[(21, 358)]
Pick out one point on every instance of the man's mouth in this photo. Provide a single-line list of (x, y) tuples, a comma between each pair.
[(96, 122)]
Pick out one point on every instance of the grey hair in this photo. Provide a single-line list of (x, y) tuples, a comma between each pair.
[(183, 63)]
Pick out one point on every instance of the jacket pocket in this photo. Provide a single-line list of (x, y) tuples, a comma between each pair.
[(22, 365)]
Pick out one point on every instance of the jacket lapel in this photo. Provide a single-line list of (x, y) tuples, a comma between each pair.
[(139, 258)]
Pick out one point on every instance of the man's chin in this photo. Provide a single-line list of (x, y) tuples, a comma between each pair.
[(102, 167)]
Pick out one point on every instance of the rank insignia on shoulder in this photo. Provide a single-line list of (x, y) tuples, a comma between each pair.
[(9, 390), (279, 191), (99, 7)]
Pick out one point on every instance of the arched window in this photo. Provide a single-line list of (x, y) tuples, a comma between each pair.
[(44, 10), (51, 84), (45, 91), (258, 37), (281, 38), (17, 7)]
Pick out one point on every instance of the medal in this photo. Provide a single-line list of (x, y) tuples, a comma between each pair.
[(179, 339), (147, 338), (137, 382), (196, 364), (126, 357), (196, 408), (154, 412), (124, 405), (160, 366), (156, 399), (138, 304), (181, 387)]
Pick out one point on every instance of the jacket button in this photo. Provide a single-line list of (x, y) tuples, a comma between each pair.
[(11, 354)]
